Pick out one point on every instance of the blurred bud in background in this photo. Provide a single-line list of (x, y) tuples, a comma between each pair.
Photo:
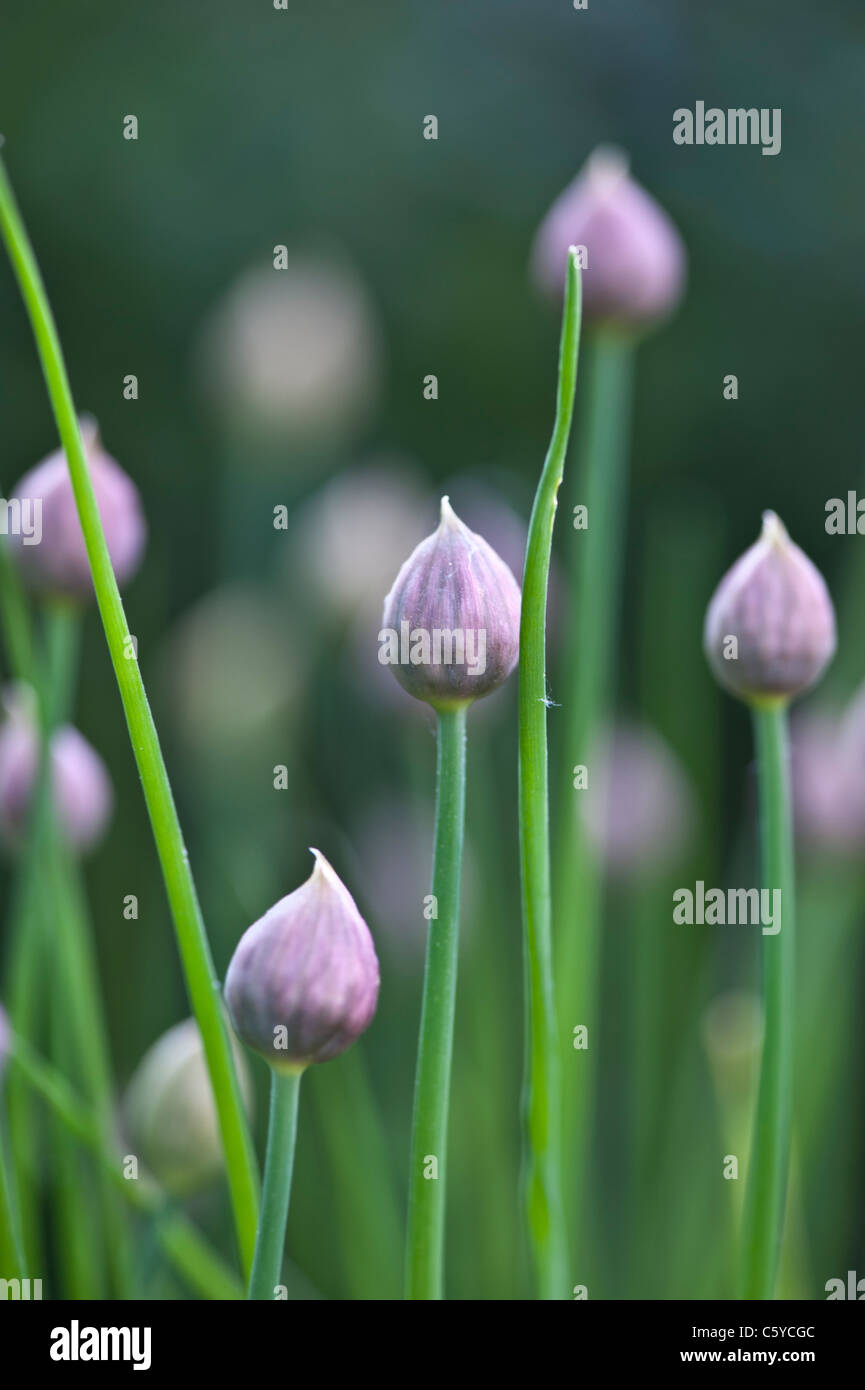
[(635, 262), (170, 1114), (828, 763), (58, 563), (392, 841), (294, 354), (638, 804), (233, 667), (349, 538), (81, 788)]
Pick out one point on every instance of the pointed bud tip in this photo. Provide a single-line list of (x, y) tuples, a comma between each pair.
[(770, 626)]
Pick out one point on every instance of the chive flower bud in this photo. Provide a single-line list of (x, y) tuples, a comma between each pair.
[(770, 627), (638, 805), (58, 563), (635, 260), (451, 625), (302, 984), (80, 785), (169, 1111)]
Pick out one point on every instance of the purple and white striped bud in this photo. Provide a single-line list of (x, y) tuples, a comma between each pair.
[(53, 558), (170, 1113), (302, 984), (81, 787), (634, 260), (451, 625), (770, 627)]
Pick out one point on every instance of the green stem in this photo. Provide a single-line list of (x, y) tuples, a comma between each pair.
[(427, 1174), (276, 1191), (190, 1254), (543, 1096), (31, 908), (191, 936), (86, 1029), (769, 1159), (597, 550), (11, 1237)]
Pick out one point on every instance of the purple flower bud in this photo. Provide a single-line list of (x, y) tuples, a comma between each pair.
[(81, 787), (57, 563), (770, 627), (451, 625), (638, 804), (302, 984), (170, 1114), (634, 269)]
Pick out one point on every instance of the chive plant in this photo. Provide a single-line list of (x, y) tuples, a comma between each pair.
[(634, 264), (769, 634), (302, 986), (450, 633)]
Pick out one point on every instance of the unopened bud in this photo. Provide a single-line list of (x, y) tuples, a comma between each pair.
[(302, 984), (80, 786), (770, 627), (57, 562), (170, 1112), (451, 625), (634, 257)]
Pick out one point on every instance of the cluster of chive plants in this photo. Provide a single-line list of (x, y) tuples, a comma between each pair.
[(303, 982)]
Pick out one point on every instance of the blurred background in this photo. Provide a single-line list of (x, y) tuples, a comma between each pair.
[(303, 389)]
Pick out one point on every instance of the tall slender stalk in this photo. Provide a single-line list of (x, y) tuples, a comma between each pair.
[(543, 1096), (769, 1159), (427, 1178), (192, 939), (276, 1191), (597, 564)]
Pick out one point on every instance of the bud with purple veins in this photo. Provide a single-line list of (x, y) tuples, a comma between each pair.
[(635, 262), (770, 627), (303, 981), (770, 634), (58, 564), (301, 987), (451, 624)]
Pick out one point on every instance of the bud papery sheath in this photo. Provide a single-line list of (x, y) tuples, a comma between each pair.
[(451, 623), (770, 627), (303, 982)]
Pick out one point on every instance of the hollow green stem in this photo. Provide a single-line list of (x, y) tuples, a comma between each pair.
[(542, 1094), (276, 1190), (596, 578), (189, 926), (769, 1160), (191, 1255), (428, 1170)]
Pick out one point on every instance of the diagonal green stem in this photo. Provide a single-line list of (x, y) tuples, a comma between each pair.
[(427, 1174), (603, 454), (769, 1160), (543, 1096), (189, 926), (276, 1191)]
